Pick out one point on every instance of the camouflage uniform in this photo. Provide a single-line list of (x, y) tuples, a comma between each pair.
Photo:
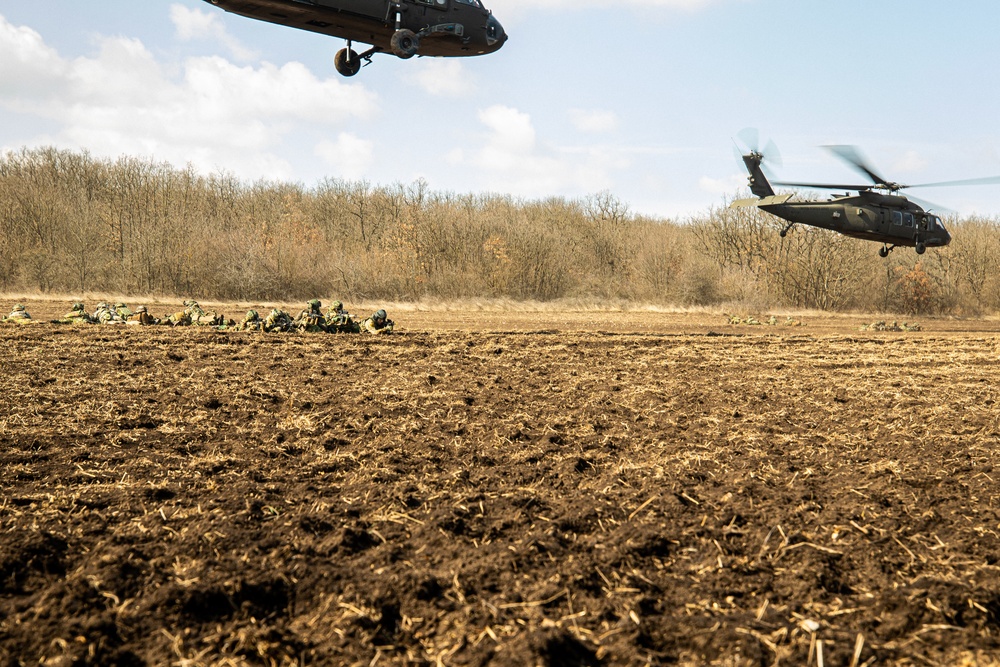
[(191, 314), (311, 320), (200, 317), (141, 317), (178, 319), (78, 315), (251, 322), (338, 320), (278, 320), (378, 323), (106, 315), (123, 312), (19, 315)]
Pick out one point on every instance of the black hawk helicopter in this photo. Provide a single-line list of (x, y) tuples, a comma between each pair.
[(405, 28), (875, 213)]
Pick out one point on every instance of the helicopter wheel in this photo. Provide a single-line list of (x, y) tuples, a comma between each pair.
[(405, 43), (347, 62), (921, 248), (883, 252)]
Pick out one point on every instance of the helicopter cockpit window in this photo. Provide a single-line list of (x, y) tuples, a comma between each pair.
[(897, 218), (474, 3), (440, 4), (908, 219), (935, 224)]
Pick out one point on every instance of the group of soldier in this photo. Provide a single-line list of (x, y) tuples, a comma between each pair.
[(312, 319)]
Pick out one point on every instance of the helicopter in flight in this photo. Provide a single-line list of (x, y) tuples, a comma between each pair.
[(875, 213), (405, 28)]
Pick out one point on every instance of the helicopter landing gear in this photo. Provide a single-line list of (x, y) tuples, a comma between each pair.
[(348, 61), (921, 247), (884, 251), (405, 43), (784, 232)]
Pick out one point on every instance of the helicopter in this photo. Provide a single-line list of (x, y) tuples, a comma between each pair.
[(875, 213), (405, 28)]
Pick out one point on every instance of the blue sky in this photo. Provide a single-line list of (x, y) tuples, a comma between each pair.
[(641, 98)]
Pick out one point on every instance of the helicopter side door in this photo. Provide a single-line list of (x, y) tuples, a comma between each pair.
[(903, 224)]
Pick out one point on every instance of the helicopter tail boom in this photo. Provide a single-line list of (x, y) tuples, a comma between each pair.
[(761, 202), (758, 181)]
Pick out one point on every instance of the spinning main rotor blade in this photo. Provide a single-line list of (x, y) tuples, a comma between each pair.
[(823, 186), (852, 156), (928, 206), (989, 180)]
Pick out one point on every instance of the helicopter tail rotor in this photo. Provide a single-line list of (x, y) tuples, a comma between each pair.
[(749, 141)]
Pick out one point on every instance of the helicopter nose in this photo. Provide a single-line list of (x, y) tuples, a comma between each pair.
[(495, 35)]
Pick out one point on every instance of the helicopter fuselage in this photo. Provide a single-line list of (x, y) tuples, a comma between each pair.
[(447, 27), (890, 219)]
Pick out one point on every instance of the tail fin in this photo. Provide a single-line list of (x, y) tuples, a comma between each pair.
[(758, 181)]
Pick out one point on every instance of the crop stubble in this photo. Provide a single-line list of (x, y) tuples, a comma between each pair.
[(472, 497)]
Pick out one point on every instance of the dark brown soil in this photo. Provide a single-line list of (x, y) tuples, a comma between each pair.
[(685, 493)]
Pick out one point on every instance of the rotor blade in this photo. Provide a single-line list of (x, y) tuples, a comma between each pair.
[(772, 153), (750, 138), (822, 186), (852, 156), (928, 206), (989, 180)]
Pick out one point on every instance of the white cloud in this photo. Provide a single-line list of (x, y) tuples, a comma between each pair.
[(349, 156), (440, 76), (594, 121), (212, 113), (194, 24), (512, 159), (27, 65), (722, 186)]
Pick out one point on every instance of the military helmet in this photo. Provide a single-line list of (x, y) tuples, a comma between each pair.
[(141, 309), (379, 314), (18, 307), (102, 306), (77, 306), (119, 305), (275, 312), (314, 303), (252, 315), (190, 302), (336, 305)]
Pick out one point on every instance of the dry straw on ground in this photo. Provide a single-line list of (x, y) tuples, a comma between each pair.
[(697, 494)]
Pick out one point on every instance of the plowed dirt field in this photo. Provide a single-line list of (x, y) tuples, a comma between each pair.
[(501, 489)]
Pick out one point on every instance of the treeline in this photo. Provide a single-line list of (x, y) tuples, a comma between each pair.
[(71, 223)]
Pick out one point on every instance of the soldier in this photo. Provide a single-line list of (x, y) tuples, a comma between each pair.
[(192, 314), (311, 320), (106, 315), (338, 320), (123, 311), (278, 320), (141, 317), (251, 322), (378, 323), (200, 317), (178, 319), (19, 315), (76, 316)]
